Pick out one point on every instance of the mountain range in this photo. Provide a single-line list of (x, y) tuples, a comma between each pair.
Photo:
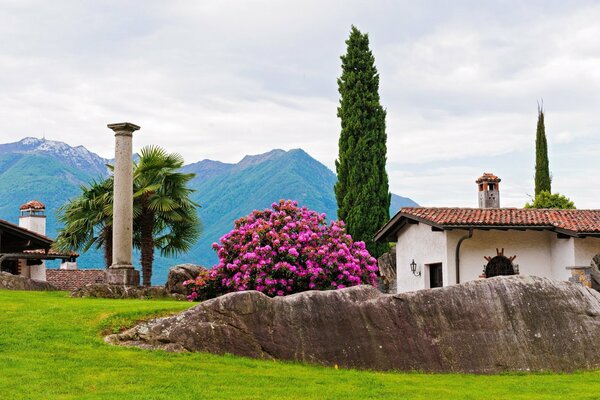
[(53, 172)]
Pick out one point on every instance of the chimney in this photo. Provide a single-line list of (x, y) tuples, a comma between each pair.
[(33, 217), (488, 186)]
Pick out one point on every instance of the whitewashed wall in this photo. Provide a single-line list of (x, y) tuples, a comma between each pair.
[(38, 272), (418, 242), (35, 223), (532, 249), (539, 253), (562, 252), (585, 250)]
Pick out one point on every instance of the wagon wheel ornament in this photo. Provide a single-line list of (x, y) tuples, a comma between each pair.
[(500, 265)]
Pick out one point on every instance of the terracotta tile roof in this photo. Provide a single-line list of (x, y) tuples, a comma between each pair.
[(33, 205), (487, 177), (571, 222)]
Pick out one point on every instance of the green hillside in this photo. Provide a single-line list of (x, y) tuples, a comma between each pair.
[(242, 189), (224, 191)]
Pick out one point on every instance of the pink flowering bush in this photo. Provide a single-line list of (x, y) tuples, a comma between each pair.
[(284, 250)]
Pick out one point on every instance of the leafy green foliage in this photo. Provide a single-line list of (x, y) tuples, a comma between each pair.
[(546, 199), (542, 169), (62, 355), (165, 217), (362, 190)]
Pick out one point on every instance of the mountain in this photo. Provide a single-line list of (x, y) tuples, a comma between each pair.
[(52, 172), (76, 157)]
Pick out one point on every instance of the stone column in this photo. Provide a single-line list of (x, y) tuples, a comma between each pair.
[(121, 272)]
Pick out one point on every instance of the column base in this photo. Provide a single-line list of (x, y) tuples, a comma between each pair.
[(122, 275)]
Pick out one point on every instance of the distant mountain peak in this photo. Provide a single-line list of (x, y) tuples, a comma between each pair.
[(30, 141), (78, 156), (251, 160)]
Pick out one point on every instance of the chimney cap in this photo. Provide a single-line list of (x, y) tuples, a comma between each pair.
[(33, 205), (488, 177)]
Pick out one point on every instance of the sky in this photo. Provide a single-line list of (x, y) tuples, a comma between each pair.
[(460, 81)]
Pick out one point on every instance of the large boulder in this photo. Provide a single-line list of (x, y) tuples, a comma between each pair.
[(18, 282), (179, 274), (500, 324)]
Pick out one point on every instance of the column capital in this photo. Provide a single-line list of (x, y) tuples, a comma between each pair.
[(123, 128)]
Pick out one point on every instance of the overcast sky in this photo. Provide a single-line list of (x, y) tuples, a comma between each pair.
[(221, 79)]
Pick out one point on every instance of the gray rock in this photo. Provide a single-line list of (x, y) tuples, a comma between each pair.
[(18, 282), (179, 274), (387, 271), (514, 323), (595, 272), (108, 291)]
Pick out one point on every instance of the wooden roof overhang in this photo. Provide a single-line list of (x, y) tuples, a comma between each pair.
[(14, 239), (34, 256)]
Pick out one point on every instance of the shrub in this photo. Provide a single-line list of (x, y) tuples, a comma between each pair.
[(551, 200), (284, 250)]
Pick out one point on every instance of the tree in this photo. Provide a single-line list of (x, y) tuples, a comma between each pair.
[(547, 200), (542, 170), (87, 220), (362, 190), (165, 217)]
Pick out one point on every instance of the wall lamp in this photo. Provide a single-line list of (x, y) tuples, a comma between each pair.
[(413, 268)]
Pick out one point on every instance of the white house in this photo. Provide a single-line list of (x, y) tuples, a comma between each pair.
[(444, 246)]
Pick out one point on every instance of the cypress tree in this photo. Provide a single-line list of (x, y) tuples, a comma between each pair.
[(362, 190), (542, 170)]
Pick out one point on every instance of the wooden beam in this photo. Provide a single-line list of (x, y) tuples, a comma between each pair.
[(436, 229), (562, 236)]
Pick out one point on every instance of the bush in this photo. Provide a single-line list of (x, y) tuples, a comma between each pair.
[(547, 200), (286, 249)]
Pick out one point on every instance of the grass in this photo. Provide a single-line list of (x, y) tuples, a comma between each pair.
[(51, 347)]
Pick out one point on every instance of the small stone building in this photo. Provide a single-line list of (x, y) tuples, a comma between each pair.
[(444, 246), (25, 247)]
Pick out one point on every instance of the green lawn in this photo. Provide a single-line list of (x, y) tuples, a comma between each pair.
[(51, 347)]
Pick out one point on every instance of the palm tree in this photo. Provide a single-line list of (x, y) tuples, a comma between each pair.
[(87, 220), (165, 217)]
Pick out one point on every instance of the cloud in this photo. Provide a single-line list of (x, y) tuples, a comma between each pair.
[(459, 80)]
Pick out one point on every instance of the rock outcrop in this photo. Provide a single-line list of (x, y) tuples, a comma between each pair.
[(179, 274), (107, 291), (387, 271), (17, 282), (500, 324), (595, 272)]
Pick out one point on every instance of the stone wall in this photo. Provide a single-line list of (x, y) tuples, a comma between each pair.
[(581, 275), (18, 282), (65, 279)]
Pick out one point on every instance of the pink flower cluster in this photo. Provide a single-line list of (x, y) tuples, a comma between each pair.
[(289, 249)]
